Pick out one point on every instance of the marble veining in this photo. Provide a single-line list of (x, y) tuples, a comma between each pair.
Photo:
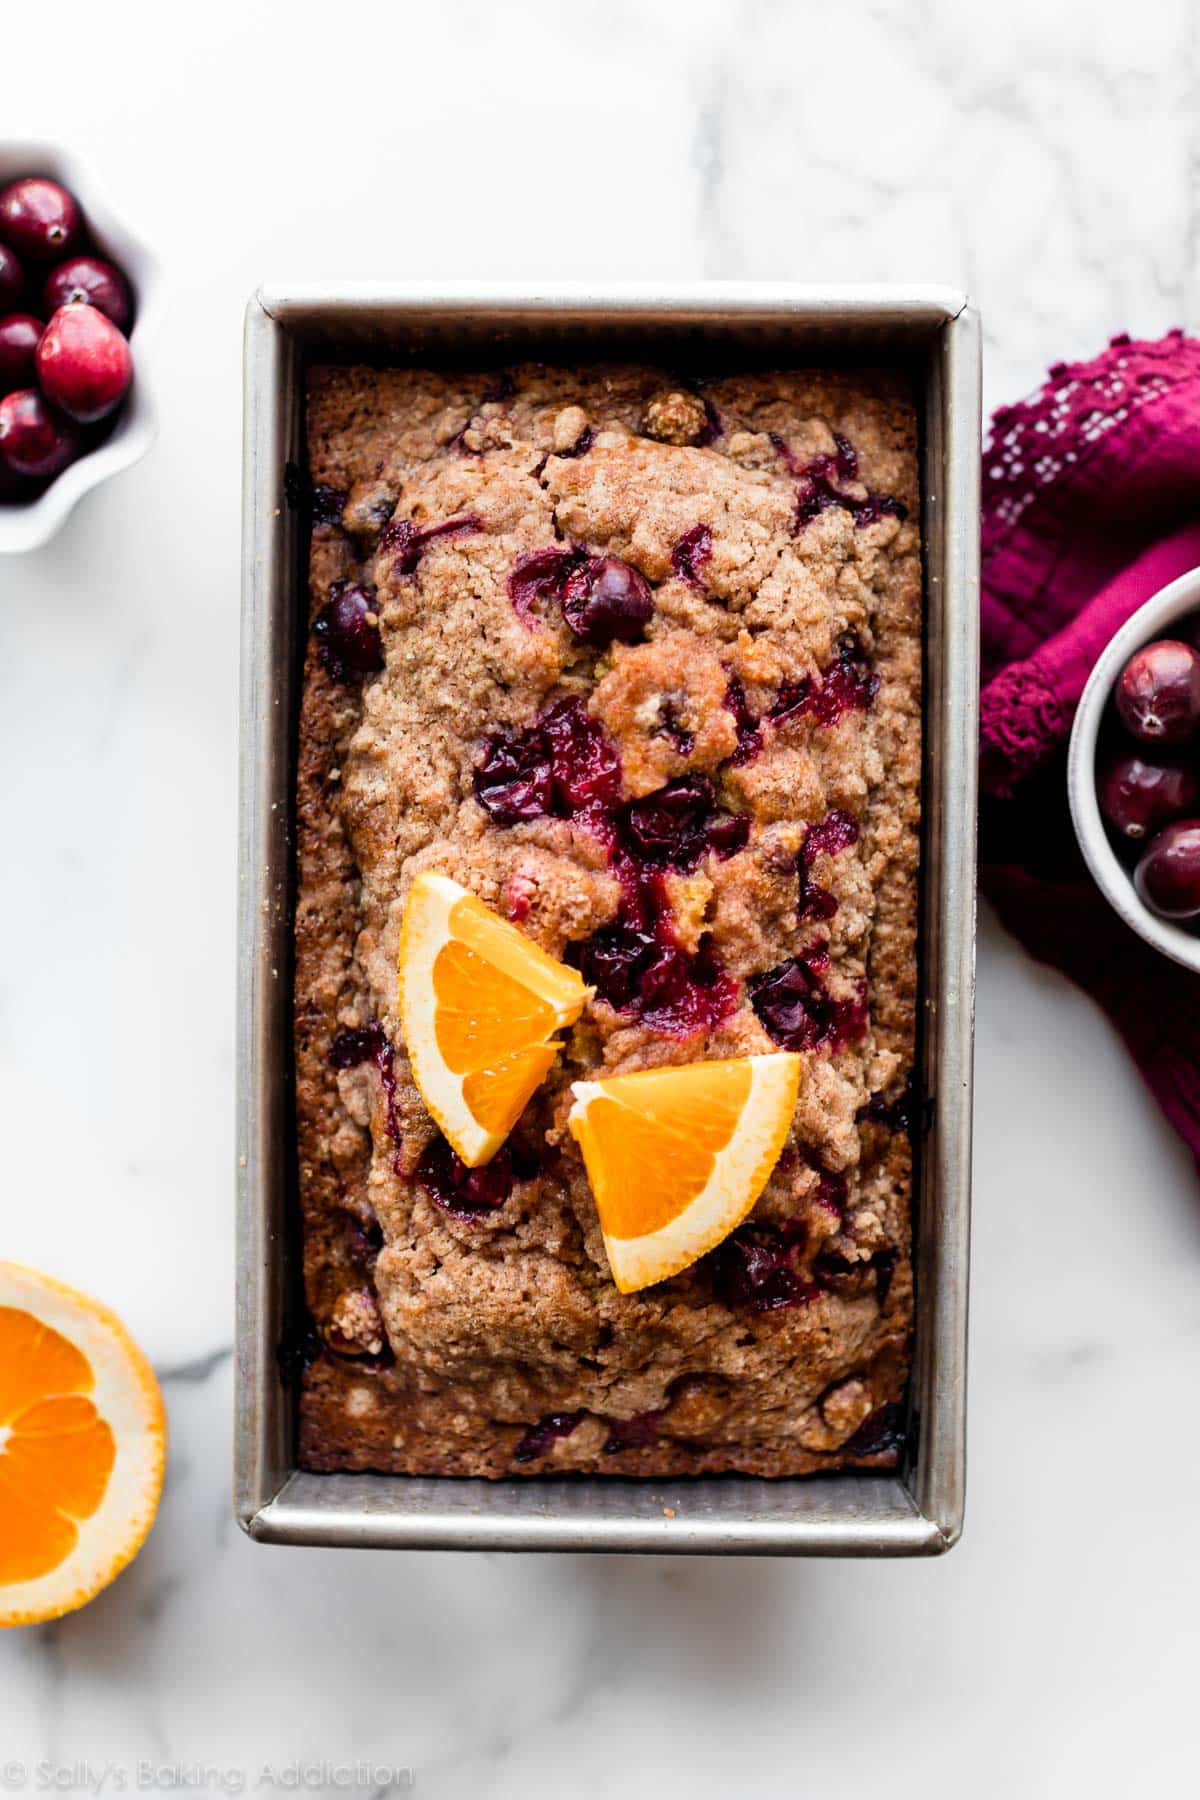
[(1044, 154)]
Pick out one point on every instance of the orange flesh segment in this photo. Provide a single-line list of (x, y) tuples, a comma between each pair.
[(483, 1014), (678, 1150), (497, 1095), (35, 1361), (32, 1540), (507, 950), (59, 1453)]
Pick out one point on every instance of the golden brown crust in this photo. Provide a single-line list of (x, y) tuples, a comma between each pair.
[(507, 1337)]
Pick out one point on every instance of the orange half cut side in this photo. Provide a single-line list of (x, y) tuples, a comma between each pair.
[(82, 1447)]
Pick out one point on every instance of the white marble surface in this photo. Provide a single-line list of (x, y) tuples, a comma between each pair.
[(1044, 153)]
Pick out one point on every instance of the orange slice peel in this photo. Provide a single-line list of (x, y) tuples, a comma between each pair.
[(479, 1007), (677, 1157), (82, 1447)]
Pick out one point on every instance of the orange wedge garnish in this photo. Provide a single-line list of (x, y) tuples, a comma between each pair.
[(479, 1005), (82, 1446), (677, 1157)]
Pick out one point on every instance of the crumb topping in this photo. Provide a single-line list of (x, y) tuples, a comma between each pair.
[(638, 664)]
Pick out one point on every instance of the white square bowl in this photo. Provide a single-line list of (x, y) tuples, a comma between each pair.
[(28, 525)]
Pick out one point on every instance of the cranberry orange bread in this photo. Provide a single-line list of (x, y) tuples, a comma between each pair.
[(638, 663)]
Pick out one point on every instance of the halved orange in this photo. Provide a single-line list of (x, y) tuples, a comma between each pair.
[(479, 1005), (677, 1157), (82, 1447)]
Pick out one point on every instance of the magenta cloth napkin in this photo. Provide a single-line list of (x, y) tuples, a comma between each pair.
[(1091, 503)]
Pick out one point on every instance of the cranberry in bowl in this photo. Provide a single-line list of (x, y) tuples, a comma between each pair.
[(74, 276), (1133, 771)]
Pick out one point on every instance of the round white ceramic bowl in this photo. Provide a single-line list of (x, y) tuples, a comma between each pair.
[(25, 527), (1153, 620)]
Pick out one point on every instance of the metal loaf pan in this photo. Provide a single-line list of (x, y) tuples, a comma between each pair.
[(934, 330)]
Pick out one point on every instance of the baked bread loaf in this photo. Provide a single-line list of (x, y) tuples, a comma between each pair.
[(554, 610)]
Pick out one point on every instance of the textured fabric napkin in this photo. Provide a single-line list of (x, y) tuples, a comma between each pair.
[(1091, 503)]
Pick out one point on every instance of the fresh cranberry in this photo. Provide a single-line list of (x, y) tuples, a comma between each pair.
[(83, 363), (540, 1438), (820, 482), (539, 575), (848, 685), (677, 823), (585, 763), (837, 831), (514, 781), (603, 599), (19, 334), (1158, 692), (464, 1193), (816, 904), (407, 542), (798, 1012), (13, 487), (756, 1268), (691, 553), (606, 601), (369, 1043), (669, 828), (681, 993), (90, 281), (12, 279), (637, 966), (563, 763), (1168, 876), (1137, 796), (728, 833), (793, 701), (881, 1430), (39, 219), (34, 439), (346, 631), (613, 959), (834, 833), (749, 732)]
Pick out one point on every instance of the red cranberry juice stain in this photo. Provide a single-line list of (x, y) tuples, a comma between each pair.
[(407, 542), (690, 554), (370, 1043), (540, 1438)]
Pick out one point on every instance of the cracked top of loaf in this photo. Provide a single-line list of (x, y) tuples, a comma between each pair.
[(741, 875)]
